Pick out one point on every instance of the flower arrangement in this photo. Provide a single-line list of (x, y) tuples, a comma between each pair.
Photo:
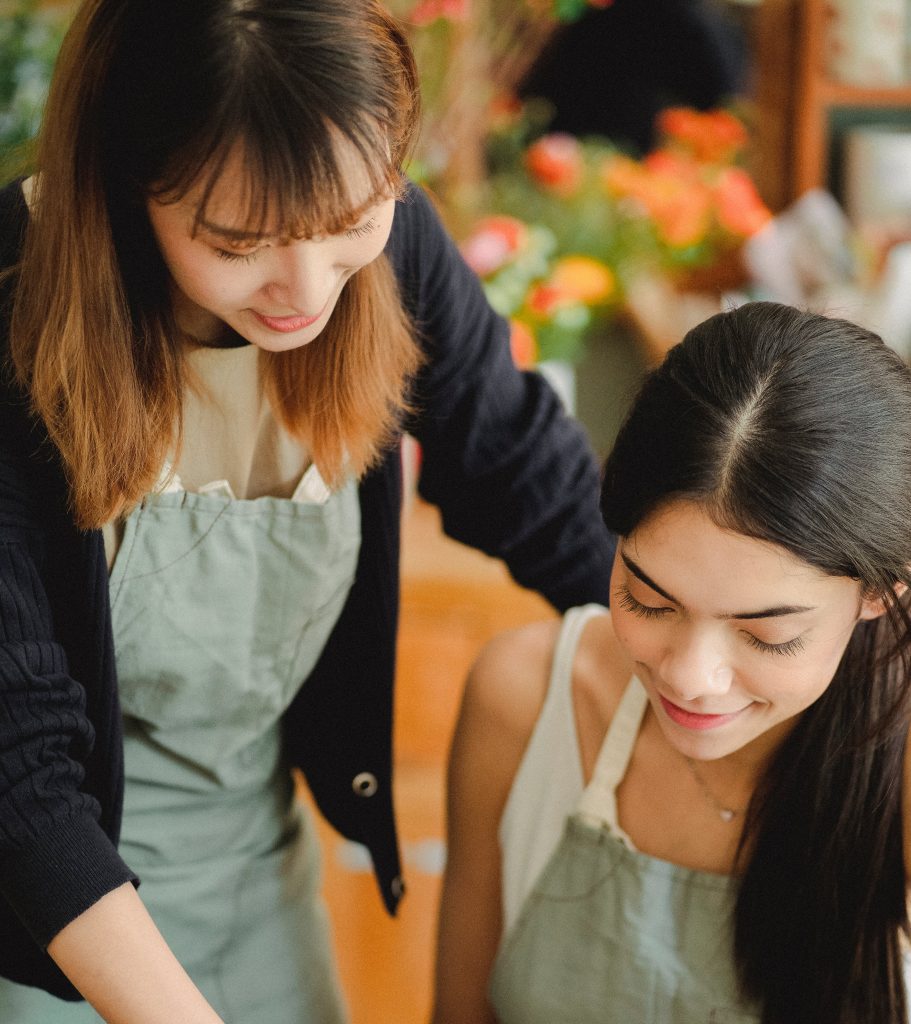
[(701, 206), (575, 220), (549, 299)]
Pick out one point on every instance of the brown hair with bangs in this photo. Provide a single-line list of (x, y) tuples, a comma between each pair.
[(149, 99)]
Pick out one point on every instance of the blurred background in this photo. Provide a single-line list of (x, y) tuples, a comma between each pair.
[(614, 171)]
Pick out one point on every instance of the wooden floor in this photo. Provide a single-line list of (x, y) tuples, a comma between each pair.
[(453, 600)]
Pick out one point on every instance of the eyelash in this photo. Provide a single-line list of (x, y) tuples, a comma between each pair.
[(362, 229), (247, 257), (233, 257), (644, 611), (789, 647)]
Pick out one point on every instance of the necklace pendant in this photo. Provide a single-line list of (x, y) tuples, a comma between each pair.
[(727, 814)]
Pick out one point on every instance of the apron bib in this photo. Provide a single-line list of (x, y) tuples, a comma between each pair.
[(609, 935), (221, 608)]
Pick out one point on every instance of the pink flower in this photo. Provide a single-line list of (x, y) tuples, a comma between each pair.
[(426, 11), (492, 243)]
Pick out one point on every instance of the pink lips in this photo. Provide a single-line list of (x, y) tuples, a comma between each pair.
[(691, 720), (286, 324)]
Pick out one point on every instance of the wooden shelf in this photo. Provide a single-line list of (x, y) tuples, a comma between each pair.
[(796, 99), (839, 94)]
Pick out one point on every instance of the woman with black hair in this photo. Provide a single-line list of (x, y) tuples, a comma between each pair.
[(696, 808), (222, 304)]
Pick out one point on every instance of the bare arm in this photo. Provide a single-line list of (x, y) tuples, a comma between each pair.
[(114, 954), (503, 696)]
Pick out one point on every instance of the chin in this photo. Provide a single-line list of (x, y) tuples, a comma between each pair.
[(281, 343)]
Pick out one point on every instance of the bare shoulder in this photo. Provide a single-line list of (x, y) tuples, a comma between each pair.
[(503, 696), (508, 682)]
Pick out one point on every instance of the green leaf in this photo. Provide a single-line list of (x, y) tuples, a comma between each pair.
[(569, 10)]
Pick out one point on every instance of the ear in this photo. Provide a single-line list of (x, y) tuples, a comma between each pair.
[(874, 606)]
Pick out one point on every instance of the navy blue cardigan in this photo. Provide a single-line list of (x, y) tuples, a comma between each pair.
[(512, 476)]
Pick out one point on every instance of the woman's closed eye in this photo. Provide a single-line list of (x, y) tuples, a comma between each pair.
[(788, 647), (233, 257), (644, 611), (360, 230)]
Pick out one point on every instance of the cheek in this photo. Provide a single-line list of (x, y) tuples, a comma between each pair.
[(793, 684), (639, 637), (206, 281), (358, 254), (822, 662), (788, 692)]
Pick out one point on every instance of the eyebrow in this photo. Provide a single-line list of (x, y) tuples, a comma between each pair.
[(766, 613)]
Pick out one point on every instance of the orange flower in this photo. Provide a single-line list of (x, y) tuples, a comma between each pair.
[(522, 344), (494, 241), (662, 171), (621, 175), (574, 281), (665, 163), (545, 299), (683, 218), (670, 189), (556, 162), (740, 209), (583, 279), (712, 137)]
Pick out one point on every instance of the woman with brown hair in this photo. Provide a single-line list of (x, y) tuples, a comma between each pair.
[(222, 305)]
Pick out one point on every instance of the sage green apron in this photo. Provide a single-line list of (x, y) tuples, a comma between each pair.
[(609, 935), (221, 608)]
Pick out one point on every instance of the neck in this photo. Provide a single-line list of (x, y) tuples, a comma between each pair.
[(228, 338), (734, 777)]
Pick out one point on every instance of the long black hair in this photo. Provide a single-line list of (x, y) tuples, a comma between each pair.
[(795, 428)]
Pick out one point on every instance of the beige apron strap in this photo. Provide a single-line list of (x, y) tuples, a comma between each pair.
[(598, 803)]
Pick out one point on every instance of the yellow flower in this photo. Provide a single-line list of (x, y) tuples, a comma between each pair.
[(583, 279)]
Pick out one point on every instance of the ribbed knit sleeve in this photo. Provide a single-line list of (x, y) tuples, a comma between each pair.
[(55, 860), (512, 474)]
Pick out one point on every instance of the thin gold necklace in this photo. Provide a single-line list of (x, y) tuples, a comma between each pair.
[(726, 813)]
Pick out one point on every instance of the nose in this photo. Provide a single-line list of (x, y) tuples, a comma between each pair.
[(302, 278), (694, 666)]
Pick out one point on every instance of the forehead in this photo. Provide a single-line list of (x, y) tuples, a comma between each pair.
[(681, 548), (232, 196)]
